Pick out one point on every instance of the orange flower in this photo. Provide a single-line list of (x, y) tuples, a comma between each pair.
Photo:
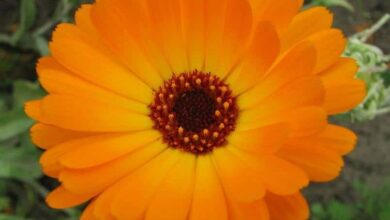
[(185, 109)]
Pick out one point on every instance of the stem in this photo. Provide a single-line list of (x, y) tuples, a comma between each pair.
[(383, 111), (41, 190), (365, 35), (63, 9)]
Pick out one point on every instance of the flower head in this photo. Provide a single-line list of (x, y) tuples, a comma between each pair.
[(184, 109)]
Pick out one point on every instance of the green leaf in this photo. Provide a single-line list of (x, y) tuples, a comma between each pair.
[(25, 91), (19, 163), (11, 217), (385, 214), (27, 19), (41, 45), (340, 211), (13, 123), (341, 3)]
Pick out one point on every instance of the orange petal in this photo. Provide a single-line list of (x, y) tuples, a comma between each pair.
[(114, 146), (262, 140), (282, 177), (343, 91), (329, 45), (343, 95), (110, 24), (223, 51), (33, 109), (46, 136), (141, 186), (83, 19), (96, 179), (88, 58), (319, 163), (261, 54), (135, 23), (76, 113), (209, 30), (58, 80), (209, 202), (334, 138), (102, 203), (305, 24), (173, 198), (343, 68), (239, 181), (52, 170), (167, 26), (301, 57), (60, 198), (280, 13), (292, 207), (338, 139), (88, 213), (274, 108), (249, 211), (307, 121)]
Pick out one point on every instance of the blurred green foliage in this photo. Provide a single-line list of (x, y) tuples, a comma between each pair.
[(331, 3), (22, 184), (373, 204), (374, 70)]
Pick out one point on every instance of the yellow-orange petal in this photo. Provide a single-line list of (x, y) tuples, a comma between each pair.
[(307, 121), (319, 163), (89, 59), (52, 159), (173, 198), (102, 203), (114, 146), (278, 172), (47, 136), (52, 170), (334, 138), (141, 186), (209, 202), (305, 24), (223, 53), (110, 26), (56, 79), (167, 26), (97, 179), (239, 181), (249, 211), (290, 97), (329, 45), (290, 207), (88, 213), (262, 52), (61, 198), (259, 141), (343, 68), (344, 92), (137, 22), (302, 57), (80, 114), (280, 12), (83, 20), (343, 95)]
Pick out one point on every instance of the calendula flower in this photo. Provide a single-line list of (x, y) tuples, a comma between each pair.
[(187, 109)]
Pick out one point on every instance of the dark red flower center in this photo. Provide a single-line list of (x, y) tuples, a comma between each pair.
[(194, 112)]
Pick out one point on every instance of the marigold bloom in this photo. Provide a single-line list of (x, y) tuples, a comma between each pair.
[(185, 109)]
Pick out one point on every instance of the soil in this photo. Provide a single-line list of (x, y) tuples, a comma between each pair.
[(370, 161)]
